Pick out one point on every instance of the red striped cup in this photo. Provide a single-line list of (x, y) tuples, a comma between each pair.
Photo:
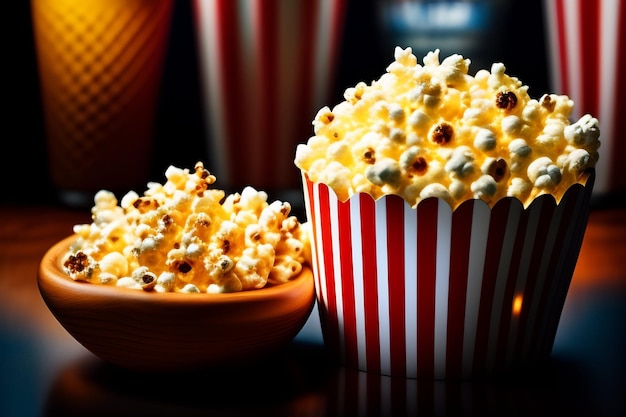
[(429, 292), (587, 49), (267, 66)]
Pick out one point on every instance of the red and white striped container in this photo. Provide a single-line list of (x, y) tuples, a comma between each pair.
[(429, 292), (267, 67), (587, 59)]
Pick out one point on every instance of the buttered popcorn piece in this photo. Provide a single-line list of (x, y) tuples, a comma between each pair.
[(184, 236), (433, 130)]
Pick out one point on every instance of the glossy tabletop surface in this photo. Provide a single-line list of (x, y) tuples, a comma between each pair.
[(44, 371)]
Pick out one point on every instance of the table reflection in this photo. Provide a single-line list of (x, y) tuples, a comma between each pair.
[(303, 381), (288, 383)]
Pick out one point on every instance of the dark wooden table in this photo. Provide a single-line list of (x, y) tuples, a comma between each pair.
[(44, 371)]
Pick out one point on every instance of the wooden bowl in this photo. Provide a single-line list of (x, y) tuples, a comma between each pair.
[(149, 331)]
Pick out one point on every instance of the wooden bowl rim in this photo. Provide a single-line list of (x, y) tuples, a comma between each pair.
[(50, 275)]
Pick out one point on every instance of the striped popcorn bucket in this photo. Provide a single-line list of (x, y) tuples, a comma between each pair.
[(587, 59), (267, 66), (429, 292)]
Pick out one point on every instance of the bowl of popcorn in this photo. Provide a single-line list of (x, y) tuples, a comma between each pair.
[(182, 277), (447, 212)]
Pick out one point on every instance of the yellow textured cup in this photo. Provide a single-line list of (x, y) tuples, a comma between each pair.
[(100, 65)]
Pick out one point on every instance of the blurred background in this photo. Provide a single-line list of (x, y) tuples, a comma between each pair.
[(371, 28)]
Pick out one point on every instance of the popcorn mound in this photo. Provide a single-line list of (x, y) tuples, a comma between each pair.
[(432, 130), (183, 236)]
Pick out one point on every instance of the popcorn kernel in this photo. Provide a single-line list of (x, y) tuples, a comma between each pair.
[(434, 130), (184, 236)]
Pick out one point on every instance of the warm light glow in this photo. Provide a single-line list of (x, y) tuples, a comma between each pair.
[(517, 304), (100, 69)]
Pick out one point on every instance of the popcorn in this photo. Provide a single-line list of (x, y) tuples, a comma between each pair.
[(184, 236), (433, 130)]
